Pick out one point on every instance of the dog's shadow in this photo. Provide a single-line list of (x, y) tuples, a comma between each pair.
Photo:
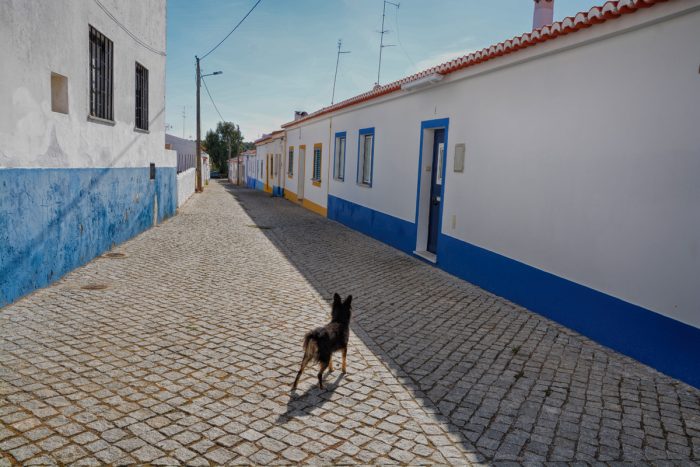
[(303, 404)]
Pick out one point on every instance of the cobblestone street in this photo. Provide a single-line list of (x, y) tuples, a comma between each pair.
[(181, 347)]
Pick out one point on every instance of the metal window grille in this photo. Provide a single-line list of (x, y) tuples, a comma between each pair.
[(290, 169), (317, 163), (101, 75), (141, 97)]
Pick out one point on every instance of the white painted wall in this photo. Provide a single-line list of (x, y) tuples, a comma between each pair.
[(583, 156), (44, 36), (185, 186), (269, 152), (310, 134)]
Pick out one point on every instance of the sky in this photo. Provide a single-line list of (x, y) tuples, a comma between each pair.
[(282, 58)]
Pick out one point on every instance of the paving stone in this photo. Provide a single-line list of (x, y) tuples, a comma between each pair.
[(154, 369)]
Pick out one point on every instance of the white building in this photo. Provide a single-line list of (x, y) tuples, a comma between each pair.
[(269, 150), (237, 167), (82, 160), (559, 169)]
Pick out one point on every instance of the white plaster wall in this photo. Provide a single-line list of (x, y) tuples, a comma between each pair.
[(44, 36), (583, 156), (185, 185), (310, 134)]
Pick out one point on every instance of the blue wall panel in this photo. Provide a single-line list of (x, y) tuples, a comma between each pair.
[(54, 220), (388, 229)]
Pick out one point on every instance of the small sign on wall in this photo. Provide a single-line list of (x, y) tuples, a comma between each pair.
[(460, 150)]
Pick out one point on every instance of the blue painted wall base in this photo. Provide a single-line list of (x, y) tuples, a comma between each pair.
[(54, 220), (391, 230), (660, 342)]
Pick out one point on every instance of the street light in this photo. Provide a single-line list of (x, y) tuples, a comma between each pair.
[(198, 173)]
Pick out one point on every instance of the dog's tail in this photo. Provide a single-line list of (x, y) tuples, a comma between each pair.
[(311, 346)]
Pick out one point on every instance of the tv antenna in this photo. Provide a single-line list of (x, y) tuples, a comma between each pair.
[(184, 113), (337, 61), (381, 38)]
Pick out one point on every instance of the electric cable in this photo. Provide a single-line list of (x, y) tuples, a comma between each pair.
[(133, 36), (236, 27)]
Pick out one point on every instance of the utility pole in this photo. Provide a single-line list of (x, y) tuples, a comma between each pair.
[(228, 159), (198, 171), (337, 61), (381, 40)]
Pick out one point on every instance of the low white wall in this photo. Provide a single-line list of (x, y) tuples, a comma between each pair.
[(185, 186)]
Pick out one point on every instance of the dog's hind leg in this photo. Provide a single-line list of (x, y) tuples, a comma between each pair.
[(345, 354), (324, 365), (304, 362), (330, 365)]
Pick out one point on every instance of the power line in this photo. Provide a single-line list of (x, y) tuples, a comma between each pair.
[(236, 27), (133, 36), (212, 100)]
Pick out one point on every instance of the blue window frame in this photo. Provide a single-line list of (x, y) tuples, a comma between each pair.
[(365, 157), (339, 157)]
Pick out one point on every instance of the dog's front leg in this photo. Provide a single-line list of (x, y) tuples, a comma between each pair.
[(320, 374), (345, 354)]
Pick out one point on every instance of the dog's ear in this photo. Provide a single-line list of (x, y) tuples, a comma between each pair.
[(336, 299), (348, 301)]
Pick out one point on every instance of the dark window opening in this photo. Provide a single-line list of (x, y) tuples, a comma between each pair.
[(141, 97), (153, 171), (101, 74)]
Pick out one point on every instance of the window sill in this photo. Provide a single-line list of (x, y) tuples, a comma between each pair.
[(316, 182), (103, 121), (141, 130), (365, 185), (337, 179)]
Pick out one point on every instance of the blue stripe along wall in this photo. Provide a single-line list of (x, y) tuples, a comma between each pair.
[(668, 345), (54, 220)]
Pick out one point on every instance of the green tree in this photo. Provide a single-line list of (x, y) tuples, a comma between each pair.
[(216, 144)]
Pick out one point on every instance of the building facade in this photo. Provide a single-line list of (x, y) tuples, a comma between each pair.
[(269, 151), (559, 169), (82, 160)]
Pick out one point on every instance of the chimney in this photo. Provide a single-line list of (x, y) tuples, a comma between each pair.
[(299, 114), (544, 13)]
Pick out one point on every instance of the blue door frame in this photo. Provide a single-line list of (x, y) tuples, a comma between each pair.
[(437, 124)]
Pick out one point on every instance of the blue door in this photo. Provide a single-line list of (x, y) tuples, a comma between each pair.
[(436, 190)]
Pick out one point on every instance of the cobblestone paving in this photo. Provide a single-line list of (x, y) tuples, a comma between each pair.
[(183, 351), (511, 384)]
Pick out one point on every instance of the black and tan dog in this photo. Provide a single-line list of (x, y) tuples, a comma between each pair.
[(321, 343)]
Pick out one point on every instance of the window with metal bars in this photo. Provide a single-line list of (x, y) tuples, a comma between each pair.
[(101, 75), (290, 168), (317, 163), (141, 97)]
